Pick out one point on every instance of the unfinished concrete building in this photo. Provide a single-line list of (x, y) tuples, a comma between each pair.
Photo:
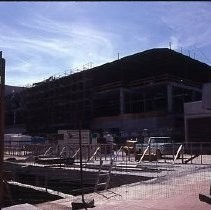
[(146, 90)]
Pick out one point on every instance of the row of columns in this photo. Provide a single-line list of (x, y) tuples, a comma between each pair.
[(169, 98)]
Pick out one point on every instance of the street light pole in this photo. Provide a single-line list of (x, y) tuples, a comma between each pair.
[(2, 91)]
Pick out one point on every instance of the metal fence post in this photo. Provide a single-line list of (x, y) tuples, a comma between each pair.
[(149, 152), (122, 155), (105, 148), (89, 148), (191, 152), (173, 150), (183, 149), (128, 153), (201, 152)]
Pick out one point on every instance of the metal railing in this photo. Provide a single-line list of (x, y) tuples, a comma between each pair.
[(190, 153)]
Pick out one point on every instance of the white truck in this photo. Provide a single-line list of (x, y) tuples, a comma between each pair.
[(157, 146)]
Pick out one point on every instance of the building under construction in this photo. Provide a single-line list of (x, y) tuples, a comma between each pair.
[(146, 90)]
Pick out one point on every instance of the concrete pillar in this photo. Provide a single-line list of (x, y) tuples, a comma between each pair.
[(186, 129), (193, 96), (144, 100), (122, 101), (169, 98)]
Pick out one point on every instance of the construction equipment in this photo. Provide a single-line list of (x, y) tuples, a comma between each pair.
[(130, 146)]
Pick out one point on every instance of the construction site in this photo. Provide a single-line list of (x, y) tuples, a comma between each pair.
[(146, 90), (50, 175), (139, 101)]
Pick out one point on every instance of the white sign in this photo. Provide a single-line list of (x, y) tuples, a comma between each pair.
[(72, 136)]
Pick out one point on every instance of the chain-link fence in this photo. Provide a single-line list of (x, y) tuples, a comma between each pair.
[(134, 175)]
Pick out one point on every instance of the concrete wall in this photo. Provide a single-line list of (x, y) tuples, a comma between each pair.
[(134, 122), (206, 96), (195, 110), (197, 122)]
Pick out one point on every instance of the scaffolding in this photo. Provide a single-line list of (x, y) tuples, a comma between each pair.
[(115, 90)]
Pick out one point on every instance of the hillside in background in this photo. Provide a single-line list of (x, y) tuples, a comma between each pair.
[(10, 89)]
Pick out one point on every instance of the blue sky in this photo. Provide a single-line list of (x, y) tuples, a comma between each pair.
[(42, 39)]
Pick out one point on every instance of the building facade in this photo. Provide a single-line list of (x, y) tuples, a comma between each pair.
[(143, 91)]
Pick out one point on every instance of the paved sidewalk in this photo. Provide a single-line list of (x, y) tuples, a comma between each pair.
[(186, 200), (180, 193)]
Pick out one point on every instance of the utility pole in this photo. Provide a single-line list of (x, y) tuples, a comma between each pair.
[(2, 91), (81, 203), (170, 45), (189, 53)]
